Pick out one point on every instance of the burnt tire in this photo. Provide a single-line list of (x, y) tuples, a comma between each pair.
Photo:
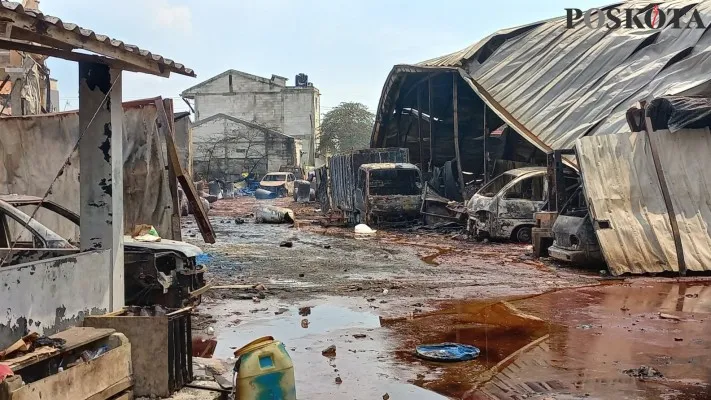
[(523, 234)]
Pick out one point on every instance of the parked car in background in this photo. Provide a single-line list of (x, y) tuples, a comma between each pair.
[(165, 272), (281, 183), (504, 208)]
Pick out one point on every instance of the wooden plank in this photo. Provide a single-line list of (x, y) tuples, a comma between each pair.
[(186, 182), (667, 200), (173, 179), (72, 56), (84, 380), (77, 40), (124, 396), (114, 389), (75, 337)]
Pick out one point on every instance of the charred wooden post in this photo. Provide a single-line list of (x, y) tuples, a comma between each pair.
[(101, 168), (429, 110)]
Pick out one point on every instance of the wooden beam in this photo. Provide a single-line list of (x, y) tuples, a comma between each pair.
[(666, 195), (186, 182), (455, 115), (173, 180), (44, 29), (72, 56)]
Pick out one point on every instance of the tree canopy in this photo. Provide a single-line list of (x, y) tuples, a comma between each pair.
[(346, 127)]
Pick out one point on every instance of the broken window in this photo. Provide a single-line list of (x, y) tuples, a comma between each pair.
[(528, 189), (495, 186), (388, 182)]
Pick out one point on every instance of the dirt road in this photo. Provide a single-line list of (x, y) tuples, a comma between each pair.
[(404, 288)]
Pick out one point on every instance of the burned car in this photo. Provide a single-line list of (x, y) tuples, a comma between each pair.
[(504, 208), (164, 272), (281, 183), (574, 237), (388, 193)]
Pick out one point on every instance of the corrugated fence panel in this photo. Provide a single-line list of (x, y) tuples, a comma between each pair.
[(622, 188), (684, 156)]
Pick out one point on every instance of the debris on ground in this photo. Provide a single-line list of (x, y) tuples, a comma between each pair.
[(304, 311), (281, 311), (304, 323), (360, 336), (339, 380), (274, 215), (643, 372), (239, 221), (329, 351), (286, 243), (678, 339), (260, 287), (669, 316)]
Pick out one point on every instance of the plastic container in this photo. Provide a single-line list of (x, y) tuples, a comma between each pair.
[(264, 371)]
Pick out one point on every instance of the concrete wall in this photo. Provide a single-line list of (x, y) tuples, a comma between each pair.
[(267, 102), (237, 147), (51, 295)]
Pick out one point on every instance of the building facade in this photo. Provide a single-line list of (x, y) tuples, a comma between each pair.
[(225, 147), (269, 103)]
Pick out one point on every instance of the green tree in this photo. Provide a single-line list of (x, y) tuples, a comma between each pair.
[(346, 127)]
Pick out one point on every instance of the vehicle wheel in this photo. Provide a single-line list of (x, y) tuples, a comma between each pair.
[(522, 234)]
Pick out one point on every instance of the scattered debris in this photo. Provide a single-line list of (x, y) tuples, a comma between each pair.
[(260, 287), (643, 372), (386, 396), (624, 308), (304, 323), (385, 291), (678, 339), (286, 243), (339, 380), (256, 299), (301, 275), (304, 311), (239, 221), (585, 326), (329, 351), (669, 316), (326, 246), (281, 311), (274, 215), (360, 336)]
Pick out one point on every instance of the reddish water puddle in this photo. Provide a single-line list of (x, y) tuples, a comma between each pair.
[(584, 341)]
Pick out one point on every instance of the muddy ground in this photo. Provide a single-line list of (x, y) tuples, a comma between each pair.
[(545, 330)]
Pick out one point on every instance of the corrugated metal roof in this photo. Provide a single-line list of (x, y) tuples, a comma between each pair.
[(554, 85), (89, 35)]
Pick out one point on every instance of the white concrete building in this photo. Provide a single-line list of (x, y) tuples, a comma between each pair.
[(291, 110)]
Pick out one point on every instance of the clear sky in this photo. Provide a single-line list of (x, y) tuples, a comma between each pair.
[(346, 48)]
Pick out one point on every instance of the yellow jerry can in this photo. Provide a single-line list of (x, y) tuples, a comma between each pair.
[(264, 371)]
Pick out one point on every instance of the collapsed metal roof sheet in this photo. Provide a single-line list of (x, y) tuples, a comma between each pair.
[(554, 85), (68, 36)]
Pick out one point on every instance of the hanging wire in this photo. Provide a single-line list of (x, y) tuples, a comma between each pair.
[(67, 162)]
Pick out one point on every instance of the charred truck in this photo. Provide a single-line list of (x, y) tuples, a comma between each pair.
[(375, 186)]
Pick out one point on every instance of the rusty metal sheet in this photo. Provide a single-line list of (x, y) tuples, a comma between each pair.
[(626, 203)]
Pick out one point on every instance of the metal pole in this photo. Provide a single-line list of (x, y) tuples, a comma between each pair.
[(419, 127), (486, 175), (455, 100), (429, 110)]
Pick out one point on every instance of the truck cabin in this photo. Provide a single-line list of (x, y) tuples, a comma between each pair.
[(390, 179), (388, 193)]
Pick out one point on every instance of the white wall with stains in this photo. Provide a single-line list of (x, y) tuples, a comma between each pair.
[(49, 296)]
